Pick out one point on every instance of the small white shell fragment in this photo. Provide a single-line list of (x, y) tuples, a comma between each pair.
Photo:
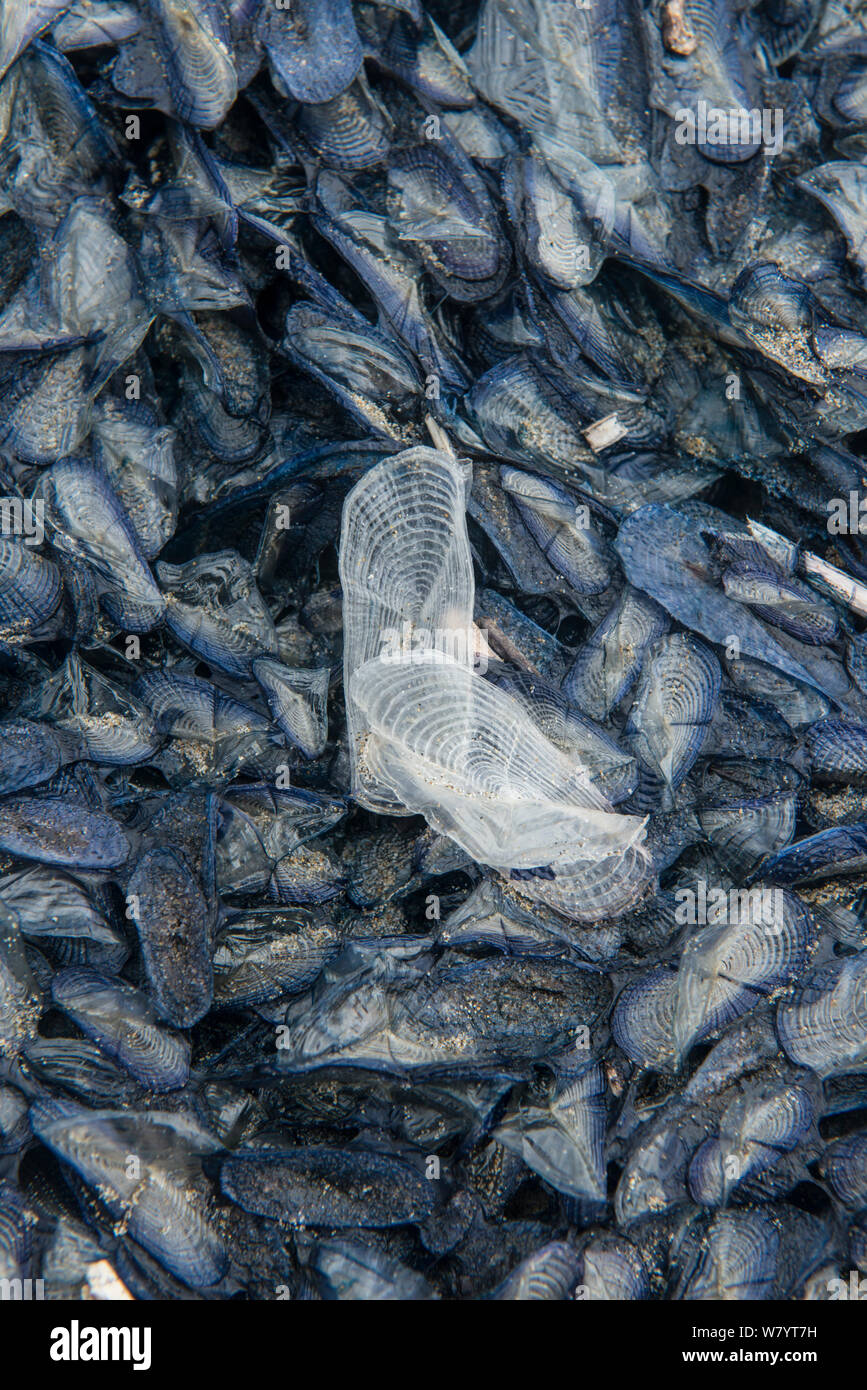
[(781, 550), (105, 1284), (439, 436), (828, 579), (603, 433)]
